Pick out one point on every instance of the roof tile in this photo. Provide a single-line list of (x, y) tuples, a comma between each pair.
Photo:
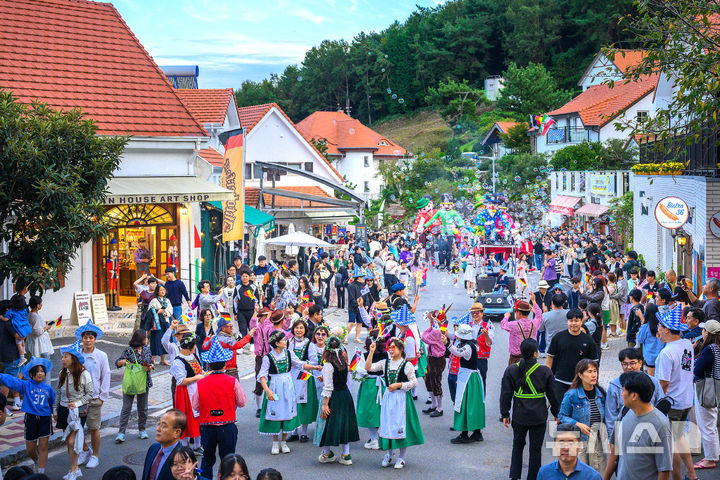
[(252, 197), (77, 53), (207, 105), (212, 156)]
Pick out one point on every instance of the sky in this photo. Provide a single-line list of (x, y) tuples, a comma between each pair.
[(233, 41)]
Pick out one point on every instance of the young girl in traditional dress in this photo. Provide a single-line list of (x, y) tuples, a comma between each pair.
[(338, 425), (522, 271), (469, 401), (370, 392), (315, 353), (398, 430), (186, 370), (305, 390), (469, 276), (278, 414)]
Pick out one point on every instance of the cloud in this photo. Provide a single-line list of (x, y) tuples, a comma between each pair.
[(307, 15)]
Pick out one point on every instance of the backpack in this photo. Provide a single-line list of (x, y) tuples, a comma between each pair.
[(338, 280)]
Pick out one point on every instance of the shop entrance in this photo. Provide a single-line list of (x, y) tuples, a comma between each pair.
[(152, 227)]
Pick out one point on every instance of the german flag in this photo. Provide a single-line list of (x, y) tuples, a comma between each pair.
[(225, 315), (249, 294), (58, 322), (354, 362), (303, 375)]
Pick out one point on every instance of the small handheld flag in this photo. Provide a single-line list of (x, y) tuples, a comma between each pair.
[(249, 294), (225, 315), (58, 322), (303, 376), (365, 290), (354, 362), (522, 281), (222, 302)]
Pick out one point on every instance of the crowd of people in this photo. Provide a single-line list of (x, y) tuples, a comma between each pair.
[(588, 291)]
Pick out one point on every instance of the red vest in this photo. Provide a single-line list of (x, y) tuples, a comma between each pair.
[(409, 333), (483, 347), (216, 395)]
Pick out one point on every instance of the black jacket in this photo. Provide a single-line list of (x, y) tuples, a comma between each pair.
[(528, 411), (354, 289)]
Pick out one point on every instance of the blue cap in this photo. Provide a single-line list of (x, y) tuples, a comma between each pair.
[(464, 320), (88, 327), (358, 272), (223, 322), (403, 316), (397, 287), (76, 350), (217, 353), (673, 319), (36, 361), (369, 276)]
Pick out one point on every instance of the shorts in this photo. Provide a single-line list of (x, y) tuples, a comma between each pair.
[(354, 317), (94, 415), (37, 427), (606, 317), (11, 368), (677, 421), (62, 418)]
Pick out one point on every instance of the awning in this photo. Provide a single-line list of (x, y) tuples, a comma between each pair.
[(141, 190), (564, 204), (592, 210), (259, 219)]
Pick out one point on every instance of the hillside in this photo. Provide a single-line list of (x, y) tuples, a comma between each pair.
[(423, 130)]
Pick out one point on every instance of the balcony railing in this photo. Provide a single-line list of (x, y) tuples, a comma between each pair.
[(698, 150), (566, 135)]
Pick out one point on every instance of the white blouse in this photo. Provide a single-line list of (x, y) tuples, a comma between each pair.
[(265, 367), (393, 364)]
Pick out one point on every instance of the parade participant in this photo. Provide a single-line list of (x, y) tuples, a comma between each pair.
[(305, 390), (354, 291), (244, 301), (403, 319), (436, 339), (522, 327), (204, 328), (18, 316), (96, 362), (74, 391), (186, 371), (263, 328), (216, 398), (38, 341), (567, 349), (469, 408), (397, 298), (469, 276), (227, 340), (634, 319), (338, 423), (278, 414), (397, 431), (630, 361), (528, 386), (176, 330), (370, 392), (315, 352), (157, 322), (228, 300), (38, 401), (584, 406), (176, 291), (484, 331), (137, 358)]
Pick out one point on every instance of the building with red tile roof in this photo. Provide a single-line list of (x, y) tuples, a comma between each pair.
[(602, 69), (208, 105), (356, 149), (494, 137)]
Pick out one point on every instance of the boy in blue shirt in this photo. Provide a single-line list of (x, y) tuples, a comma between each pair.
[(38, 399)]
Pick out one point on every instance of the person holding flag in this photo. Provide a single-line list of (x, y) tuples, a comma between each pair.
[(337, 425), (305, 389), (245, 301), (186, 372), (227, 340), (399, 422), (436, 339), (469, 399), (371, 390), (404, 321)]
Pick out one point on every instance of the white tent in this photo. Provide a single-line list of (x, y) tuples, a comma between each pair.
[(298, 239), (260, 243)]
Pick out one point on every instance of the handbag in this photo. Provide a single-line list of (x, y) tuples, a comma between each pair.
[(135, 378), (708, 392)]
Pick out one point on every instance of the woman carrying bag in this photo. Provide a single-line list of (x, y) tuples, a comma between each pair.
[(160, 316), (707, 388), (138, 362)]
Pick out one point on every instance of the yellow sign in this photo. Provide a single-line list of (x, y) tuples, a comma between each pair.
[(602, 184), (232, 179)]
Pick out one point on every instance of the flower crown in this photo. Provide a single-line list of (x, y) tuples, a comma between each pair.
[(330, 349), (402, 343)]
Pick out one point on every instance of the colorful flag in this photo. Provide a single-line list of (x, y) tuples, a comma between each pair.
[(303, 375), (233, 179), (522, 281), (381, 329), (58, 322), (542, 122), (222, 302), (188, 317), (355, 360), (225, 315), (443, 326), (249, 294)]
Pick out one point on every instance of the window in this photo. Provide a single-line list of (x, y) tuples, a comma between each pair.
[(367, 186), (564, 181), (308, 166), (572, 181), (642, 116), (382, 143), (248, 171), (257, 174), (367, 161)]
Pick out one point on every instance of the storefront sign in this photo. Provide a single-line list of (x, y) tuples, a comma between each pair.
[(142, 199), (81, 308), (713, 272), (602, 184), (715, 225), (99, 309), (232, 179), (671, 212)]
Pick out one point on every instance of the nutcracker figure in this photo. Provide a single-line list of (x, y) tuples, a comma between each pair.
[(112, 267), (172, 254)]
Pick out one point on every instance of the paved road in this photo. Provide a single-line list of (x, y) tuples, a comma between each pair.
[(433, 460)]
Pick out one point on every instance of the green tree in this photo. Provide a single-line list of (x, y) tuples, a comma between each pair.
[(456, 100), (516, 139), (255, 93), (54, 179), (530, 90), (613, 155)]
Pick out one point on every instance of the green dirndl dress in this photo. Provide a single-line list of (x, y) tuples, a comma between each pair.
[(281, 384), (413, 430), (471, 414), (368, 401), (341, 426), (306, 411)]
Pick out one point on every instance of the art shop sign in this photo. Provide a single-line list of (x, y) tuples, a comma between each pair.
[(180, 198)]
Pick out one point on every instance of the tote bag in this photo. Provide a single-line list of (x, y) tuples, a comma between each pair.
[(135, 378)]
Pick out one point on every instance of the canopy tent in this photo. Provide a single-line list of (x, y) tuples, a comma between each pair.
[(592, 210), (298, 239), (254, 217)]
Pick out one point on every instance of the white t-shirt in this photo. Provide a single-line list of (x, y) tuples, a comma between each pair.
[(675, 364)]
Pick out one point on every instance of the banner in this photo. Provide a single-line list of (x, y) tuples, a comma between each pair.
[(232, 179), (602, 184)]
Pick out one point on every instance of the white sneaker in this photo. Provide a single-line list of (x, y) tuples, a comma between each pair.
[(387, 460), (275, 450), (345, 460), (604, 346), (372, 445), (284, 448), (329, 458), (93, 462), (399, 464), (73, 475), (84, 457)]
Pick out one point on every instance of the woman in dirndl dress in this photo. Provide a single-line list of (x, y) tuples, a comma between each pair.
[(337, 424), (469, 400), (315, 353), (278, 414), (369, 395), (305, 390), (399, 422)]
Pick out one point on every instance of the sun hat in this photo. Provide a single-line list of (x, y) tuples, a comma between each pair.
[(464, 332), (277, 316), (543, 284), (523, 306), (217, 353), (74, 350), (477, 307), (88, 327), (673, 319), (381, 307), (403, 316), (181, 329), (34, 361)]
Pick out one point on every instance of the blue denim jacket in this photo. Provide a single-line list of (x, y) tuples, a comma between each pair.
[(575, 407)]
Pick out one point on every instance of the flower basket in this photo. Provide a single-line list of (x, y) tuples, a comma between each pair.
[(668, 168)]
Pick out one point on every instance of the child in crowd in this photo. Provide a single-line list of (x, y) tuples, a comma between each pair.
[(18, 315), (455, 271)]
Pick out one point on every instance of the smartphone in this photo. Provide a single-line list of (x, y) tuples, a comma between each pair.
[(50, 324)]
